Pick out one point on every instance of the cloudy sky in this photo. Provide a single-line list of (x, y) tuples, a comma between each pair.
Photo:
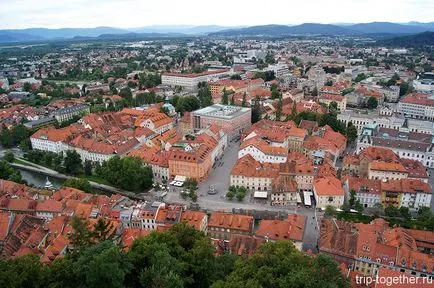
[(140, 13)]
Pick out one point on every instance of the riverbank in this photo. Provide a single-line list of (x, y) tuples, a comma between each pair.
[(32, 167)]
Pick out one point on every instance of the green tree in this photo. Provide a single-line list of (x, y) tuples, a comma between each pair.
[(372, 102), (88, 167), (360, 77), (129, 173), (280, 265), (392, 211), (236, 77), (244, 101), (81, 236), (8, 172), (78, 183), (204, 95), (352, 199), (314, 91), (351, 132), (269, 58), (103, 230), (225, 99), (329, 82), (9, 157), (330, 211), (230, 195), (27, 87), (256, 110), (333, 107), (72, 162)]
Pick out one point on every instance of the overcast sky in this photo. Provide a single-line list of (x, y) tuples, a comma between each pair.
[(139, 13)]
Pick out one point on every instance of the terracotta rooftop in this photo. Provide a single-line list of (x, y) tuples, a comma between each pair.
[(247, 166), (231, 221), (289, 229), (328, 186), (193, 218)]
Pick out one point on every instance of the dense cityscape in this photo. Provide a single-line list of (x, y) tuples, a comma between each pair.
[(237, 158)]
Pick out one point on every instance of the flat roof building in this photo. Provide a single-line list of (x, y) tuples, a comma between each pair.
[(233, 119)]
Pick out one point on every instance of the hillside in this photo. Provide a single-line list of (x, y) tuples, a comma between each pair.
[(421, 39), (283, 30), (388, 28)]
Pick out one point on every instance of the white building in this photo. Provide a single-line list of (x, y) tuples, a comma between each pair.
[(263, 152), (328, 191), (190, 81), (417, 105)]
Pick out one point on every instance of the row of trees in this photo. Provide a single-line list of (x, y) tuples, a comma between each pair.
[(68, 163), (9, 173), (237, 192), (129, 173), (18, 135), (180, 257)]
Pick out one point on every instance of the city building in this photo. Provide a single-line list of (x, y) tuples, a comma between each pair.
[(366, 248), (408, 193), (292, 228), (253, 175), (409, 145), (368, 191), (222, 225), (232, 119), (68, 113), (190, 82), (417, 105), (328, 191), (327, 99), (261, 151)]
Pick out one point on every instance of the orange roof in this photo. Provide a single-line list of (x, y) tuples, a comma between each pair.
[(4, 225), (53, 134), (418, 99), (332, 97), (231, 221), (289, 229), (387, 166), (131, 234), (83, 210), (406, 186), (351, 160), (198, 155), (328, 186), (264, 147), (193, 218), (363, 185), (247, 166), (378, 153), (56, 249), (49, 205)]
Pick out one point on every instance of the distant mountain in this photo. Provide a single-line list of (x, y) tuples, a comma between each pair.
[(184, 29), (388, 28), (130, 36), (422, 39), (282, 30), (32, 34), (10, 37), (428, 25)]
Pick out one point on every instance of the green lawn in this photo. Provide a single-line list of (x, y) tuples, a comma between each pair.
[(95, 179), (21, 162)]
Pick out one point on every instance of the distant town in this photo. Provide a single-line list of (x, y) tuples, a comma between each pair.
[(325, 142)]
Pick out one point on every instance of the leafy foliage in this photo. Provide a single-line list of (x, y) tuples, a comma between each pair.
[(78, 183), (281, 265), (128, 173)]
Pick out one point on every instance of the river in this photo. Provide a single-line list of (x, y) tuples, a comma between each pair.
[(39, 180)]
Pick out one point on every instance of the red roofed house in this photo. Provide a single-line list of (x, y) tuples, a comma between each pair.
[(222, 225), (291, 228), (328, 191)]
